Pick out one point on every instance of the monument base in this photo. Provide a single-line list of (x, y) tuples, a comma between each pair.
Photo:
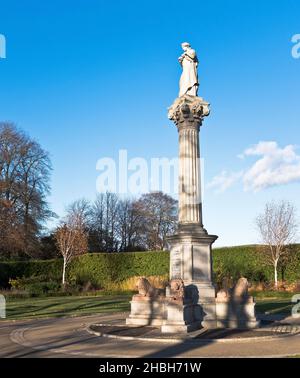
[(190, 259), (147, 311), (176, 309), (182, 316), (171, 315), (179, 317), (186, 308), (236, 314)]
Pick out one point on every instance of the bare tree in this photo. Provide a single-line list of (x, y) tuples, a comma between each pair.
[(11, 235), (126, 224), (97, 221), (72, 236), (130, 223), (81, 211), (103, 223), (24, 185), (159, 214), (111, 240), (277, 227), (123, 220), (33, 188)]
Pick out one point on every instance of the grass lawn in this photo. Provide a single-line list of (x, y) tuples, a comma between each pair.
[(274, 303), (41, 307), (28, 308), (275, 306)]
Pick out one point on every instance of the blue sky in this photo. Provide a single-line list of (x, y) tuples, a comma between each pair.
[(89, 78)]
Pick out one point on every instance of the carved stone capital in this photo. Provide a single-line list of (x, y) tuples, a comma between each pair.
[(188, 111)]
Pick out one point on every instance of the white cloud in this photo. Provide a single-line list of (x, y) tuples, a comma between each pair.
[(274, 166), (224, 181)]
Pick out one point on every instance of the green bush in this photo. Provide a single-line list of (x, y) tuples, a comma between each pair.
[(35, 285), (40, 288), (49, 269)]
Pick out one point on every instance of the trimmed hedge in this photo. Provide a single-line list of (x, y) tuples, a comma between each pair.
[(249, 261), (234, 262), (101, 269)]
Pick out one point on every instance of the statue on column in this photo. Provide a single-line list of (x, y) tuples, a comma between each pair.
[(188, 84)]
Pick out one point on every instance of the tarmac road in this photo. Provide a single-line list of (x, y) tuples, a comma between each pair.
[(68, 337)]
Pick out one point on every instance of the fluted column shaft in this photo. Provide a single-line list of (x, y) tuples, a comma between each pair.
[(188, 112), (189, 175)]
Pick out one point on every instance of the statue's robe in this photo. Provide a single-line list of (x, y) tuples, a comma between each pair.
[(189, 78)]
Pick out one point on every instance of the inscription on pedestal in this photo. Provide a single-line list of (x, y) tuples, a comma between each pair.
[(176, 263)]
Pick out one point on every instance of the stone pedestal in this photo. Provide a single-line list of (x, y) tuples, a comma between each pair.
[(147, 311), (236, 314), (181, 317), (190, 259), (235, 308)]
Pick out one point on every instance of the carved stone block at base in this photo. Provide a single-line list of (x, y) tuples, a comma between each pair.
[(182, 317), (236, 314), (146, 311), (235, 308), (209, 318), (174, 313)]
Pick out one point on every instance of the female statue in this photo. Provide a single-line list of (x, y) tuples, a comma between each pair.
[(189, 78)]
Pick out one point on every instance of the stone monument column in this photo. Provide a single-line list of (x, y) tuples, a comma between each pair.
[(190, 298), (190, 248)]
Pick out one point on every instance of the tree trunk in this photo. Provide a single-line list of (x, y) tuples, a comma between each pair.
[(275, 275), (64, 273)]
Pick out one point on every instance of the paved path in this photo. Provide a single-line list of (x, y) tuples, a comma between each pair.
[(68, 337)]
